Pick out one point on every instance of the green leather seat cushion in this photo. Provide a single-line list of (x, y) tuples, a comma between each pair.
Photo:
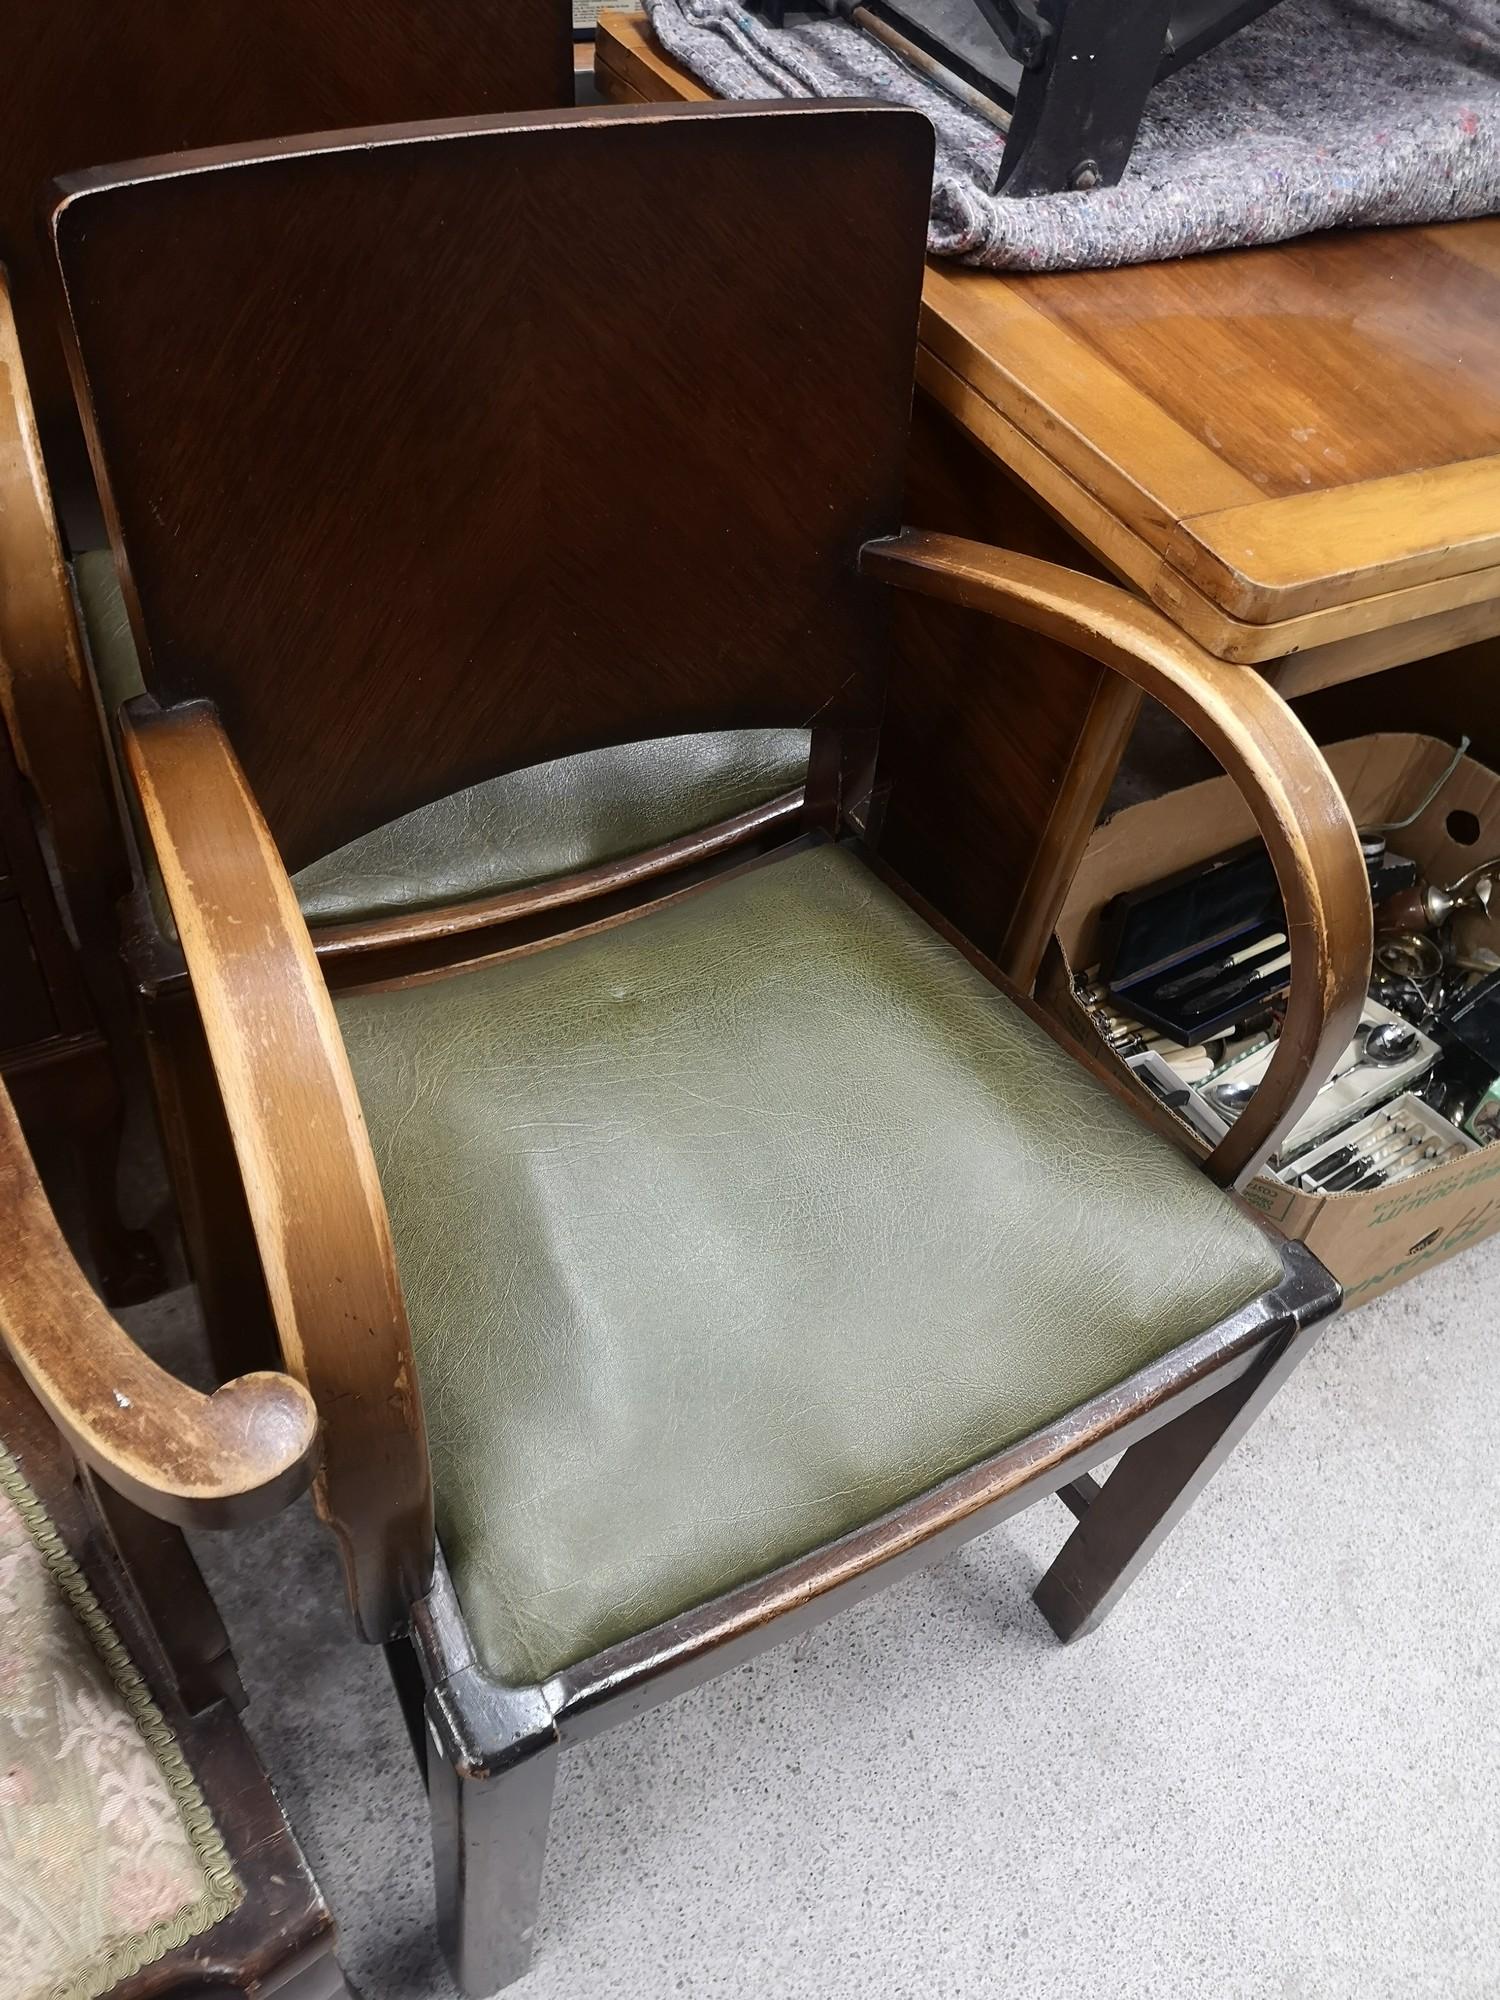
[(726, 1230), (524, 827)]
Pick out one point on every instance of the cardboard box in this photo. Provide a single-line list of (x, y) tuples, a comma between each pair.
[(1369, 1241)]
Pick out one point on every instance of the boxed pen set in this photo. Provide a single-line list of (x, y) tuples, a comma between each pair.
[(1173, 954)]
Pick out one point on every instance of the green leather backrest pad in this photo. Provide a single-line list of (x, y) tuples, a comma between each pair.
[(525, 827), (530, 826)]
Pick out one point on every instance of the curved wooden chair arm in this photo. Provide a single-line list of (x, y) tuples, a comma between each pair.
[(1249, 728), (202, 1461), (299, 1136)]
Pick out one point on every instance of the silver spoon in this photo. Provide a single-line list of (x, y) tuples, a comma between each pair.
[(1235, 1093), (1388, 1043), (1382, 1045)]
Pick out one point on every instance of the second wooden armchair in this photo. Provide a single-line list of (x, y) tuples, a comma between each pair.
[(701, 1237)]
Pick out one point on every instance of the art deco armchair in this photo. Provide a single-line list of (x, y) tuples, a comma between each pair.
[(85, 83), (674, 1249), (88, 83)]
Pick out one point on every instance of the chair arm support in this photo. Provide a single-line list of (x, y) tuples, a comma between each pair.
[(46, 690), (1239, 718), (201, 1461), (304, 1154)]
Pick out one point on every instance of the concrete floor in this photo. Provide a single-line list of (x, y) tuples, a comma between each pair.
[(1273, 1775)]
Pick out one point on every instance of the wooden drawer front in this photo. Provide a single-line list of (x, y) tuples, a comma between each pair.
[(25, 1009)]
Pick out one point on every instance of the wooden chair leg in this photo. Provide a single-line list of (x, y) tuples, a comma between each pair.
[(127, 1260), (1123, 1522), (411, 1691), (221, 1249), (489, 1832), (321, 1980)]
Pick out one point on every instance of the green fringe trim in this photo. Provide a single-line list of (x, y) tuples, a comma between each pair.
[(223, 1890)]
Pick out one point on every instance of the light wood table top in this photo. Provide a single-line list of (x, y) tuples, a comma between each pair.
[(1293, 451)]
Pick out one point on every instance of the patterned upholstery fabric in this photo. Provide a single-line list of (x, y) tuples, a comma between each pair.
[(108, 1855)]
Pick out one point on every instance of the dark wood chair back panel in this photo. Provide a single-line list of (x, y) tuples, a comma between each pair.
[(439, 451), (87, 82)]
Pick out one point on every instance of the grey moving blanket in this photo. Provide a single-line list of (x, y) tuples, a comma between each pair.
[(1321, 114)]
